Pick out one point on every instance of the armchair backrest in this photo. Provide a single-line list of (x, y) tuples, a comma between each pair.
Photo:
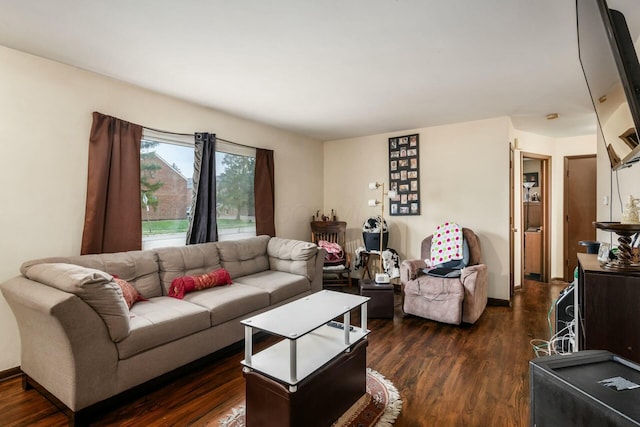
[(475, 254), (331, 231)]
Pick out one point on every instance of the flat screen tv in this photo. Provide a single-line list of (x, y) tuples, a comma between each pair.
[(610, 65)]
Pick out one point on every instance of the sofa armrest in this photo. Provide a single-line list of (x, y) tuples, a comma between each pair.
[(65, 344), (297, 257), (316, 283), (409, 269)]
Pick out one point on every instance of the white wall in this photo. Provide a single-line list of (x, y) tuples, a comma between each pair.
[(45, 118), (464, 177), (557, 149)]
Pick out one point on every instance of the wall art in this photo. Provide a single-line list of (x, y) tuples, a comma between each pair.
[(404, 174)]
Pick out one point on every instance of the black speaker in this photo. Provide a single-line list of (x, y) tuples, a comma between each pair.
[(587, 388)]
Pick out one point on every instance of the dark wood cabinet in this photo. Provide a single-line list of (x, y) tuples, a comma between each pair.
[(609, 309)]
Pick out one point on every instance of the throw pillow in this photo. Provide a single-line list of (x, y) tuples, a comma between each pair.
[(130, 294), (185, 284)]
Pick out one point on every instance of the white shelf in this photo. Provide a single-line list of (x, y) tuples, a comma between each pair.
[(302, 316), (314, 350)]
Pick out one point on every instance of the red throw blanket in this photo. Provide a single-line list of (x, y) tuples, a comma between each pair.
[(185, 284), (335, 254)]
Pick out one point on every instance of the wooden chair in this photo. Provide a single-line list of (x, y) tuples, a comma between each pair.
[(334, 273)]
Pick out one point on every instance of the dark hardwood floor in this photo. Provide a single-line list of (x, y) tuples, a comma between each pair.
[(470, 375)]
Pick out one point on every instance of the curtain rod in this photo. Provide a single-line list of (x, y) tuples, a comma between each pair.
[(190, 134)]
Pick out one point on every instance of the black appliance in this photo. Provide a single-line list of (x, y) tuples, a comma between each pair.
[(587, 388)]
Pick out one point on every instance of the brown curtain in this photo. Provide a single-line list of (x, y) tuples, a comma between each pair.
[(113, 215), (264, 191)]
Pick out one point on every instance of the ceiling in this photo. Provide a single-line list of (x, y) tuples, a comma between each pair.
[(328, 69)]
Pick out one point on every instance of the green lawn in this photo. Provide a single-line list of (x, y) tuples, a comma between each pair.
[(182, 225)]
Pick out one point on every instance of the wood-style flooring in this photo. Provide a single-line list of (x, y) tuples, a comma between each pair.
[(470, 375)]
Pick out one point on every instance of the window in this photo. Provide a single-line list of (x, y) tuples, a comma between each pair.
[(166, 185), (235, 209)]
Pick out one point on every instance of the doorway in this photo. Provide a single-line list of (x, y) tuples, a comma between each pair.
[(534, 217)]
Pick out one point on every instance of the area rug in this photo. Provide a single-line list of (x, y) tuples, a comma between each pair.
[(379, 407)]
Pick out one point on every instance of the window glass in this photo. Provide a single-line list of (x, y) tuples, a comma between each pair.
[(166, 185), (234, 196)]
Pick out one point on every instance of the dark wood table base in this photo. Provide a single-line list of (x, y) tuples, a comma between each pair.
[(320, 398)]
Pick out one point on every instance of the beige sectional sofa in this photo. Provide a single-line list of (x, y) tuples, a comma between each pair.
[(82, 344)]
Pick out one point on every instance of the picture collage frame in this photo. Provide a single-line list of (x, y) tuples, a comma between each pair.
[(404, 174)]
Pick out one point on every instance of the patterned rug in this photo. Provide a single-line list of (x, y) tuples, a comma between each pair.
[(379, 407)]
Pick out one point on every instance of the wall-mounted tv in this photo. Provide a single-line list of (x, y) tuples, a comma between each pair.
[(610, 65)]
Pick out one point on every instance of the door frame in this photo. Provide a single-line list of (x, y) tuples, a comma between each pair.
[(512, 225), (545, 189)]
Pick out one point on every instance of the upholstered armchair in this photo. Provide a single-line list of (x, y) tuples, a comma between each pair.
[(449, 300)]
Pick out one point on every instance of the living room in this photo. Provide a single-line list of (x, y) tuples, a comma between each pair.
[(46, 117)]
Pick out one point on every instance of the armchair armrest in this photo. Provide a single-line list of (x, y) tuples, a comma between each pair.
[(409, 269), (476, 287), (470, 269)]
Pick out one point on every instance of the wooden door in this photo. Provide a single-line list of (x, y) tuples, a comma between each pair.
[(579, 208)]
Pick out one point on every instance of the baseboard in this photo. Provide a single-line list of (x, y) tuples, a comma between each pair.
[(10, 373), (498, 302)]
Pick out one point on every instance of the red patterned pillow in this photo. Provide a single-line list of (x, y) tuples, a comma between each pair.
[(130, 294), (182, 285)]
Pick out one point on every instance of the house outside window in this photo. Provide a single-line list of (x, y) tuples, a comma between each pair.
[(166, 181)]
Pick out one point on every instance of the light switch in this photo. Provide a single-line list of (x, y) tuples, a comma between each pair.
[(605, 200)]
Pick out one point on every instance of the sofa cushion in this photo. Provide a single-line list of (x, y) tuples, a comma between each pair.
[(187, 260), (244, 256), (293, 256), (136, 267), (278, 284), (160, 320), (229, 302), (94, 287)]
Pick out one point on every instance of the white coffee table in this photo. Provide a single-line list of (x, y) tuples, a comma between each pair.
[(310, 342)]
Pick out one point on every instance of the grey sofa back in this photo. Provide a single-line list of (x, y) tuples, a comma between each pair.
[(188, 260), (140, 268), (152, 271), (245, 256)]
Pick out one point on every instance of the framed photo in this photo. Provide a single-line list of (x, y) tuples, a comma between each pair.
[(531, 177), (404, 174)]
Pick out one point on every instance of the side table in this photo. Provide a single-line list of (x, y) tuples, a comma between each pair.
[(366, 259), (381, 303)]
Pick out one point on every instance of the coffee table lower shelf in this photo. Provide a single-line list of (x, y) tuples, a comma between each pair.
[(319, 400)]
